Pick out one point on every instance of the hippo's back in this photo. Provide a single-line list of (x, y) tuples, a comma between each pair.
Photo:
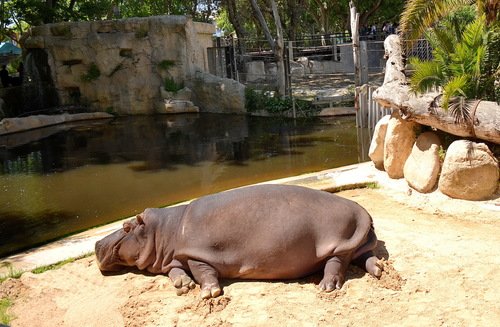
[(257, 231)]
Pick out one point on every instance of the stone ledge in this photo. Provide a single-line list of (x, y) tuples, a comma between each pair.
[(15, 125)]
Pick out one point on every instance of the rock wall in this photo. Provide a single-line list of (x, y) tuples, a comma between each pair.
[(120, 65)]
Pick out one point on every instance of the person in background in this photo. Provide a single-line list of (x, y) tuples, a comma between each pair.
[(4, 76), (20, 70)]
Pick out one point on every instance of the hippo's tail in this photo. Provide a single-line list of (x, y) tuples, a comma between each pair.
[(362, 240), (368, 245)]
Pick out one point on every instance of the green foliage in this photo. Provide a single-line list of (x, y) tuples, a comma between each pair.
[(5, 304), (92, 74), (61, 30), (372, 185), (54, 266), (256, 100), (141, 33), (458, 67), (12, 272), (110, 111), (441, 153), (166, 64), (171, 86), (35, 12)]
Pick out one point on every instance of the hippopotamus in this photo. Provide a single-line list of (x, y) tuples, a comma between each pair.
[(255, 232)]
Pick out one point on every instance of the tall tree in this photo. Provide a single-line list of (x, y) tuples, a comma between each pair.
[(276, 43)]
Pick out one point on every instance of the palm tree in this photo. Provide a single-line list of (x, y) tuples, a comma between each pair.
[(420, 15), (457, 67), (466, 63)]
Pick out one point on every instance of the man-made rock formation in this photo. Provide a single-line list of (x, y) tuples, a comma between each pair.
[(119, 65), (424, 109), (422, 167), (470, 171), (376, 151), (399, 140), (216, 94)]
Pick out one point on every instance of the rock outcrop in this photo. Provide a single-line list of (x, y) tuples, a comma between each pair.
[(216, 94), (399, 140), (469, 172), (119, 65), (376, 151), (422, 167)]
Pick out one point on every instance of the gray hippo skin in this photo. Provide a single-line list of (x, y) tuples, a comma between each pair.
[(255, 232)]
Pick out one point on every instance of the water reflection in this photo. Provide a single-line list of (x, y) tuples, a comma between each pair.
[(98, 172)]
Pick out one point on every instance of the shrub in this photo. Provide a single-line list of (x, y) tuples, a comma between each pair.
[(256, 100), (171, 86), (166, 64), (92, 74)]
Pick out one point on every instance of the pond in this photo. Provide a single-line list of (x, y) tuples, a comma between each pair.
[(63, 179)]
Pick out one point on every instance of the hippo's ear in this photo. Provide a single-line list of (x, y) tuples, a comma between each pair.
[(140, 220), (127, 226)]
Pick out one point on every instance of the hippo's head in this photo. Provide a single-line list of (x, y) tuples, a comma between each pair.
[(127, 247)]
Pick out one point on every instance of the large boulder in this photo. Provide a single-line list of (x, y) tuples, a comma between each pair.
[(470, 171), (421, 169), (215, 94), (376, 151), (399, 140)]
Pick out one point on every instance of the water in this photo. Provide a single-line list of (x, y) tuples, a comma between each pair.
[(63, 179)]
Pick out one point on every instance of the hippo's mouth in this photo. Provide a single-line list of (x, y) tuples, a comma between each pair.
[(107, 255)]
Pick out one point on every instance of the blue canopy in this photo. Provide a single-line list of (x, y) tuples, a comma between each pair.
[(8, 48)]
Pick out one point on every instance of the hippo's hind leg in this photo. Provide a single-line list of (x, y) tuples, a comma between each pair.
[(207, 277), (334, 273), (182, 282), (370, 263)]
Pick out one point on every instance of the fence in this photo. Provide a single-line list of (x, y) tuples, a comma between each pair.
[(368, 111), (420, 48)]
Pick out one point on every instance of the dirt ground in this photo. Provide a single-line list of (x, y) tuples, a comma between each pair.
[(441, 269)]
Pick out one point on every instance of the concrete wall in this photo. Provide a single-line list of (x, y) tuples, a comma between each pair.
[(126, 53)]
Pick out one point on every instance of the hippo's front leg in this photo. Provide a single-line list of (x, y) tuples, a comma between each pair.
[(334, 274), (182, 282), (206, 276)]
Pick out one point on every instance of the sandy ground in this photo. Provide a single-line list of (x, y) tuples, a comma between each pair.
[(441, 269)]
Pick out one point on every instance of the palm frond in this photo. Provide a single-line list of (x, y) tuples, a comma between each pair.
[(419, 15), (454, 88), (441, 40), (490, 70), (461, 110), (473, 34), (427, 75)]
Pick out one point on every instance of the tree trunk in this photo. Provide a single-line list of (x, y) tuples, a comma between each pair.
[(278, 50), (262, 23), (237, 22), (363, 20), (425, 109), (277, 44), (355, 43)]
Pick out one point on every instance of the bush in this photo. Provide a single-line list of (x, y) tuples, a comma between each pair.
[(171, 86), (166, 64), (92, 74), (256, 100)]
